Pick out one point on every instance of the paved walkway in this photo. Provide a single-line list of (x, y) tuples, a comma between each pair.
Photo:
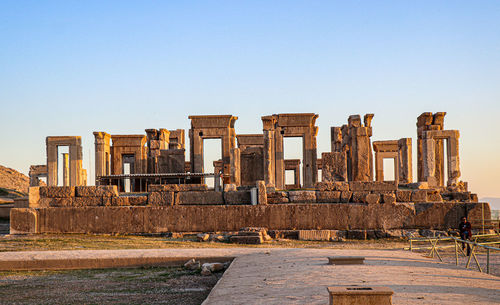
[(300, 276)]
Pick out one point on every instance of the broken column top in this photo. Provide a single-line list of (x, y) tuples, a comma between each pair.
[(428, 119), (355, 120)]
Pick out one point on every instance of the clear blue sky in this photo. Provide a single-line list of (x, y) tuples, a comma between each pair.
[(73, 67)]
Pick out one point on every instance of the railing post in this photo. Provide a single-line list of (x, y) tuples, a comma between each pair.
[(411, 248), (488, 260)]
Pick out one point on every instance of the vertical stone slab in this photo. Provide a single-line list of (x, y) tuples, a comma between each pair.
[(268, 158), (336, 139), (235, 156), (453, 159), (310, 168), (428, 161), (262, 192), (102, 154), (65, 158), (379, 167), (51, 163), (361, 154), (405, 161), (279, 159), (334, 167)]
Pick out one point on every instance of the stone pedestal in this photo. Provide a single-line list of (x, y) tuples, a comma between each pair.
[(360, 295)]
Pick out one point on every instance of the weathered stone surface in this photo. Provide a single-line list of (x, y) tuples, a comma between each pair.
[(328, 196), (359, 197), (203, 236), (418, 185), (334, 166), (96, 191), (372, 186), (372, 198), (205, 197), (177, 187), (230, 187), (34, 197), (389, 198), (403, 196), (277, 197), (345, 196), (23, 221), (332, 186), (57, 191), (129, 200), (161, 198), (237, 197), (302, 196), (87, 201), (56, 202), (261, 191), (236, 239), (419, 196), (434, 196), (324, 235)]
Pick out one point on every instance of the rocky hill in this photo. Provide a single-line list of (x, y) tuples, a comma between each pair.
[(12, 183)]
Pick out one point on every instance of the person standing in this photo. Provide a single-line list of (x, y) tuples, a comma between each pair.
[(465, 229)]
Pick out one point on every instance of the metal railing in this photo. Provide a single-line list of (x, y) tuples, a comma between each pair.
[(474, 246), (140, 182)]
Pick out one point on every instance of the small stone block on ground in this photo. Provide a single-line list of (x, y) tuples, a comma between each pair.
[(346, 260), (366, 295)]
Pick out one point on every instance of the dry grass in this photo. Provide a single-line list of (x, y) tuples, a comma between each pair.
[(97, 242)]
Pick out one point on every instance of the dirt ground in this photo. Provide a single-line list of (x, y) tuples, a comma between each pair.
[(154, 285)]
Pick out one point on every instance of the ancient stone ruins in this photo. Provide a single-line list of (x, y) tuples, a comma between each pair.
[(144, 184)]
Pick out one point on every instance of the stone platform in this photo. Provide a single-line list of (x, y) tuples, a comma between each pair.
[(301, 276)]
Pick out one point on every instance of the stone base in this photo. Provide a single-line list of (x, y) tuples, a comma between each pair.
[(346, 260), (354, 295)]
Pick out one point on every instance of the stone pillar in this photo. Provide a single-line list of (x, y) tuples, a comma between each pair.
[(336, 139), (65, 166), (279, 159), (268, 158), (428, 161), (361, 159), (453, 159), (379, 167), (334, 167), (196, 151), (227, 145), (102, 153), (405, 161), (51, 163), (235, 166), (75, 164), (309, 168)]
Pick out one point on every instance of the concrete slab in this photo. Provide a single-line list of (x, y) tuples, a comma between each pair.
[(293, 276)]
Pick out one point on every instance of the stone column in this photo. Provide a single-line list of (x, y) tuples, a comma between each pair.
[(379, 167), (336, 139), (453, 158), (310, 169), (361, 159), (429, 161), (405, 161), (65, 166), (196, 151), (102, 151), (235, 166), (51, 163), (75, 164), (268, 158), (279, 159), (227, 144)]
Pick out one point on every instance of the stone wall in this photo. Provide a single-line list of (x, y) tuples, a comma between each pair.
[(231, 218)]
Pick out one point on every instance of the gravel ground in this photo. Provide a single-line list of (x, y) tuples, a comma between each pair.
[(171, 285)]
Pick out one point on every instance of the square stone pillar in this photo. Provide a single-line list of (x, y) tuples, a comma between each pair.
[(279, 159), (102, 154), (235, 166), (453, 159), (269, 176), (51, 163), (361, 154), (65, 158), (310, 168), (405, 161), (429, 161)]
